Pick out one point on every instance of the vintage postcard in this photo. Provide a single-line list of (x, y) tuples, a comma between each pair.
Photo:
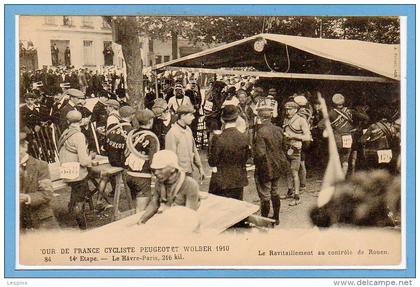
[(208, 140)]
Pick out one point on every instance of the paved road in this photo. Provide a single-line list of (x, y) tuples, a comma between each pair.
[(290, 216)]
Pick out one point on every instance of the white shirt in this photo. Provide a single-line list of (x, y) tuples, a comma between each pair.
[(174, 103), (112, 119)]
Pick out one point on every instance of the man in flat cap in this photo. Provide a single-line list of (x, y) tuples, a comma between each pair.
[(35, 191), (74, 159), (296, 130), (76, 102), (270, 161), (229, 152), (163, 121), (141, 145), (180, 140), (116, 136), (115, 142)]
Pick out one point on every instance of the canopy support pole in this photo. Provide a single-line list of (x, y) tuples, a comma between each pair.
[(284, 75), (156, 85)]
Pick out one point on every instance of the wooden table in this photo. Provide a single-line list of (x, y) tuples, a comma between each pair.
[(104, 172), (216, 214)]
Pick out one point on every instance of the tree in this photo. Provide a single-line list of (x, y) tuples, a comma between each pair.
[(126, 32)]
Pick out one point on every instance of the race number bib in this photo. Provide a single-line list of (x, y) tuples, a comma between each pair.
[(69, 170), (347, 141), (208, 106), (384, 156)]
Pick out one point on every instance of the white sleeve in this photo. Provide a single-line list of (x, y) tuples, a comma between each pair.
[(170, 102), (275, 112), (188, 101), (111, 120)]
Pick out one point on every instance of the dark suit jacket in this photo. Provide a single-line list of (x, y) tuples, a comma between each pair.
[(29, 118), (269, 158), (229, 152), (161, 130), (35, 181), (99, 114), (195, 98), (54, 111)]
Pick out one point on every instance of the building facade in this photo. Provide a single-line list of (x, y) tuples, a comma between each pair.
[(79, 41), (155, 51)]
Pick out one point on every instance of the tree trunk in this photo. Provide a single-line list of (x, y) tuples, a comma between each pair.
[(130, 43), (174, 37)]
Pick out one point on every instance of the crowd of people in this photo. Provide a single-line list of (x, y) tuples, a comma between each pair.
[(245, 124), (52, 80)]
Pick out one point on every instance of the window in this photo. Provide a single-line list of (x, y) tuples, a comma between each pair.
[(150, 45), (158, 59), (105, 24), (108, 53), (50, 20), (67, 21), (87, 21), (107, 44), (166, 59), (88, 53)]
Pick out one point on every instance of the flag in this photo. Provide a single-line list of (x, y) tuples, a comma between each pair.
[(334, 171)]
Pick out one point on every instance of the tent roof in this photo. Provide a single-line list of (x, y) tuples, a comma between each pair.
[(300, 55)]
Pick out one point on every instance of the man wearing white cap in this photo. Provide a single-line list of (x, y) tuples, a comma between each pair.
[(342, 122), (173, 187), (306, 113), (296, 130), (179, 99)]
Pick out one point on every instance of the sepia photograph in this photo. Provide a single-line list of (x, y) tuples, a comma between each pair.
[(217, 142)]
